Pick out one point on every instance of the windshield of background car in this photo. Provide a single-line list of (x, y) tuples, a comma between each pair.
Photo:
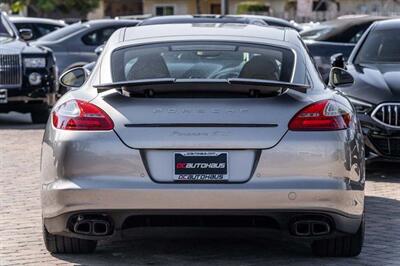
[(381, 46), (5, 30), (202, 60), (63, 32)]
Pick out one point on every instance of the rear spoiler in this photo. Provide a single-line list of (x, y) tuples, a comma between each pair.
[(238, 85)]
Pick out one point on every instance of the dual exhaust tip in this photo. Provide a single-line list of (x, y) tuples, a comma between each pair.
[(93, 226), (306, 228)]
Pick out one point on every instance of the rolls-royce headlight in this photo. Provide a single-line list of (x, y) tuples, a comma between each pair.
[(35, 78), (361, 106), (35, 62)]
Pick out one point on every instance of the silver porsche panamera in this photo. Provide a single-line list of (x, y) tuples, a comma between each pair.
[(203, 125)]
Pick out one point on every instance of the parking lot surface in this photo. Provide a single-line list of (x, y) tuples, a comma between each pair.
[(21, 239)]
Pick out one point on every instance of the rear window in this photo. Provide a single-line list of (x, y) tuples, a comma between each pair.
[(46, 28), (202, 60)]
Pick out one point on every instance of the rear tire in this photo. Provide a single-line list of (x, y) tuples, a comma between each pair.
[(64, 245), (40, 116), (343, 246)]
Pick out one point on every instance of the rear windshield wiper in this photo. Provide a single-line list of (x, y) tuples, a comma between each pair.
[(239, 85)]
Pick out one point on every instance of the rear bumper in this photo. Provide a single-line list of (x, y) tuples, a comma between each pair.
[(66, 196), (96, 173), (62, 200)]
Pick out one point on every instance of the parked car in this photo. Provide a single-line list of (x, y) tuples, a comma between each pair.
[(371, 80), (75, 44), (38, 26), (178, 19), (336, 36), (27, 74), (203, 124)]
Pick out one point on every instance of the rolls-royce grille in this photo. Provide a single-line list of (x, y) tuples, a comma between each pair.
[(387, 146), (388, 114), (10, 69)]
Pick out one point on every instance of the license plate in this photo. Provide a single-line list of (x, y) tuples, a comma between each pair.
[(3, 96), (201, 166)]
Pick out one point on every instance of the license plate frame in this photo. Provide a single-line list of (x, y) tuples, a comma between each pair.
[(201, 166), (3, 96)]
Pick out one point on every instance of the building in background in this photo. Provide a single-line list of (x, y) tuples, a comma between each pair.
[(181, 7), (317, 10), (299, 10)]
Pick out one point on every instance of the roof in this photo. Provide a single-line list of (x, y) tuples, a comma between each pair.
[(332, 29), (388, 24), (352, 20), (206, 29), (175, 19), (37, 20), (273, 21), (110, 21)]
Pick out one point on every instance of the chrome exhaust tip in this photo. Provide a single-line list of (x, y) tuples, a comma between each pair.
[(306, 228), (301, 228), (83, 227), (94, 225), (100, 228), (319, 228)]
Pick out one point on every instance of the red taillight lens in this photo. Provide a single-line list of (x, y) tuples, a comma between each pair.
[(80, 115), (322, 115)]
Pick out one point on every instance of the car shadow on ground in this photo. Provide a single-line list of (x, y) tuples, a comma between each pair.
[(384, 171), (251, 247), (15, 120)]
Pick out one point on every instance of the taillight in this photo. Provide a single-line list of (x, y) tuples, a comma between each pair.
[(322, 115), (80, 115)]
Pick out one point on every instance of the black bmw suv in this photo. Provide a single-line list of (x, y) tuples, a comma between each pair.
[(27, 74)]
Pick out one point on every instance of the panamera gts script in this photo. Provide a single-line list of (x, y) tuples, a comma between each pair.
[(201, 110)]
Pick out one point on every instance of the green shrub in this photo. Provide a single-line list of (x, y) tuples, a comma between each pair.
[(251, 7)]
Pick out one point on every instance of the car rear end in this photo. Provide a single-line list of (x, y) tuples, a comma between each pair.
[(213, 146)]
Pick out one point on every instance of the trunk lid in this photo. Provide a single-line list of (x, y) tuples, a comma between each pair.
[(167, 128), (200, 123)]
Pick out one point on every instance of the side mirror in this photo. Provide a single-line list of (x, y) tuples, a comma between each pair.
[(99, 50), (338, 77), (337, 60), (74, 78), (26, 34)]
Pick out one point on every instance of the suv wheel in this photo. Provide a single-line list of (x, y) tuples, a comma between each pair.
[(64, 245), (343, 246), (40, 116)]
